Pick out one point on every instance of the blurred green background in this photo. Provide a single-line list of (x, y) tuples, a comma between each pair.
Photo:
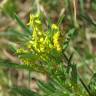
[(81, 15)]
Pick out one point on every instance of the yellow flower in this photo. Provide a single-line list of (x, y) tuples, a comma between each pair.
[(41, 40), (56, 41), (31, 20), (38, 21), (54, 26), (25, 61), (34, 20), (21, 50)]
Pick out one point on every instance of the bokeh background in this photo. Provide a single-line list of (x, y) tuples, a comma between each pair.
[(83, 43)]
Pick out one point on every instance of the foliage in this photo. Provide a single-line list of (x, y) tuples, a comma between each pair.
[(49, 60), (45, 48)]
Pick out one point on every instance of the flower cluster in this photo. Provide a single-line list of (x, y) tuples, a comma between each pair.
[(42, 42), (56, 37)]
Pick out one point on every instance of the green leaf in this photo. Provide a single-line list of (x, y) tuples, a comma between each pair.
[(45, 87), (8, 64), (21, 24), (61, 18), (69, 63), (29, 56), (23, 91), (70, 35), (74, 74), (92, 84)]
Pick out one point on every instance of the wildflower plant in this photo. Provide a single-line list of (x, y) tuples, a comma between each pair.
[(45, 52), (42, 46), (45, 48)]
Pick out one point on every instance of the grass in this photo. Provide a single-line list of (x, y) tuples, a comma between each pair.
[(65, 60)]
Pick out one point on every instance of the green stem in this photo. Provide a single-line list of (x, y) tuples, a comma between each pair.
[(82, 82)]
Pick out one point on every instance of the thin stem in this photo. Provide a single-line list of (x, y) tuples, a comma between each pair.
[(75, 13), (38, 7), (82, 82), (84, 85)]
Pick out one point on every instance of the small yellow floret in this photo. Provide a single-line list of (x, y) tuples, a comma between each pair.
[(31, 20), (54, 26), (41, 40), (56, 41)]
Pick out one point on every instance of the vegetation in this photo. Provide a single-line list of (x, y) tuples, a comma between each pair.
[(58, 47)]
